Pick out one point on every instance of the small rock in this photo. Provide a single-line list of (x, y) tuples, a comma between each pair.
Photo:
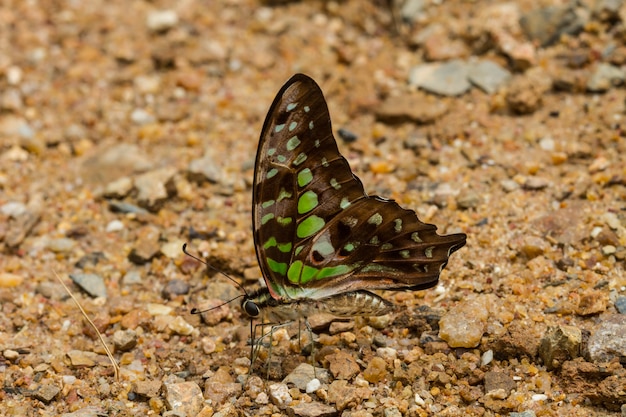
[(161, 20), (152, 188), (411, 108), (183, 397), (147, 389), (146, 246), (46, 393), (9, 280), (620, 304), (80, 359), (91, 411), (122, 207), (548, 24), (376, 370), (279, 394), (61, 245), (346, 396), (464, 324), (449, 79), (119, 188), (559, 344), (499, 380), (604, 77), (313, 385), (312, 409), (536, 183), (525, 92), (180, 326), (347, 136), (468, 199), (13, 208), (337, 327), (214, 311), (392, 412), (411, 9), (141, 117), (92, 284), (174, 288), (592, 302), (607, 10), (220, 387), (204, 169), (342, 365), (132, 277), (124, 340), (488, 76), (114, 226), (10, 354), (114, 162), (609, 340), (304, 374), (172, 249)]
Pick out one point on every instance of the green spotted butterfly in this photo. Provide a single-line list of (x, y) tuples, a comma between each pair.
[(320, 240)]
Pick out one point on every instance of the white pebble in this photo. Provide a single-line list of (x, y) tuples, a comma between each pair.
[(486, 358), (160, 20), (114, 226), (313, 385), (539, 397)]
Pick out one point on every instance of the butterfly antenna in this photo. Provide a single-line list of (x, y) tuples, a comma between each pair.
[(198, 311), (202, 261)]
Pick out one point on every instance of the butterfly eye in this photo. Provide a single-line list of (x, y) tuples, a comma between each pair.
[(250, 308)]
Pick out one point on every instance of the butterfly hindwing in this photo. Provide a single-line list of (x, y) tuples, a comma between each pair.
[(316, 232)]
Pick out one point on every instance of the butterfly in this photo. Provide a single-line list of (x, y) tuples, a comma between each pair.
[(321, 242)]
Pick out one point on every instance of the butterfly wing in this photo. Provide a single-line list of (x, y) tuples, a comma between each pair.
[(316, 231)]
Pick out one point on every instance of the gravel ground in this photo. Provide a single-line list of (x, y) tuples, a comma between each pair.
[(128, 128)]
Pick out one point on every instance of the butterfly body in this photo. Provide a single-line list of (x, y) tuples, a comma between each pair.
[(322, 243)]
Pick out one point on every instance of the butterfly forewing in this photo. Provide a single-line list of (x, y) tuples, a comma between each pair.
[(316, 231)]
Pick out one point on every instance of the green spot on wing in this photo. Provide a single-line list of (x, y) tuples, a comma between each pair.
[(293, 274), (349, 247), (405, 254), (376, 219), (429, 251), (344, 203), (397, 225), (267, 218), (278, 267), (307, 109), (307, 202), (284, 247), (268, 203), (272, 172), (284, 221), (283, 194), (386, 246), (309, 226), (281, 158), (292, 126), (305, 177), (291, 106), (333, 271), (374, 240), (271, 151), (311, 125), (335, 184), (298, 250), (308, 273), (299, 159), (271, 242), (415, 237), (293, 143), (278, 128)]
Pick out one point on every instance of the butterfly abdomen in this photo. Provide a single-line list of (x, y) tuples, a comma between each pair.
[(357, 303)]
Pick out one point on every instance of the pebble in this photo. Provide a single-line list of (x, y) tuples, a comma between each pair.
[(119, 188), (10, 354), (91, 411), (609, 340), (312, 386), (9, 280), (411, 9), (142, 117), (92, 284), (180, 326), (387, 353), (175, 287), (13, 208), (61, 245), (343, 365), (311, 409), (488, 76), (79, 358), (620, 304), (279, 394), (468, 199), (547, 24), (495, 380), (347, 136), (153, 188), (114, 226), (464, 324), (220, 388), (146, 246), (604, 77), (124, 340), (376, 370), (47, 393), (337, 327), (204, 169), (527, 413), (411, 108), (346, 396), (114, 162), (132, 277), (304, 374), (449, 79), (123, 207), (184, 398), (560, 344), (161, 20), (486, 358), (148, 388)]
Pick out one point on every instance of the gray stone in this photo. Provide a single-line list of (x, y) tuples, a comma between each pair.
[(124, 340), (92, 284), (312, 409), (620, 304), (183, 397), (547, 24), (449, 79), (204, 169), (609, 340), (304, 373), (153, 188), (488, 76), (46, 393), (604, 77)]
